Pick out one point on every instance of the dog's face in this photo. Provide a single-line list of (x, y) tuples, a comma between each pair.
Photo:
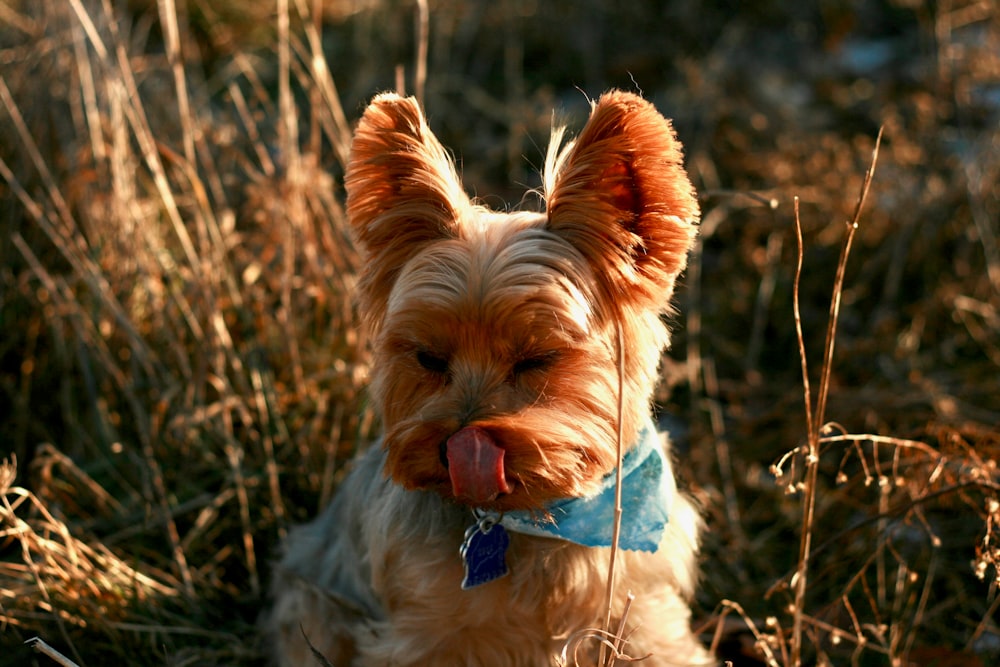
[(497, 337)]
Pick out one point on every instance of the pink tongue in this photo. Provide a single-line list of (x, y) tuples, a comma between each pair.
[(475, 464)]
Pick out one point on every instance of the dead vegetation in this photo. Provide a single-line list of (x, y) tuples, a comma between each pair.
[(180, 374)]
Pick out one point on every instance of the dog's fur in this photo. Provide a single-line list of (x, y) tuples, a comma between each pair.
[(513, 324)]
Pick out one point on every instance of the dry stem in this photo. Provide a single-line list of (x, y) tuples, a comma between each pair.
[(814, 417)]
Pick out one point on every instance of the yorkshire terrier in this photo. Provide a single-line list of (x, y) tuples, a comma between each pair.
[(514, 358)]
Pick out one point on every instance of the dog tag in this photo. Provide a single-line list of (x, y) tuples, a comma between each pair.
[(484, 552)]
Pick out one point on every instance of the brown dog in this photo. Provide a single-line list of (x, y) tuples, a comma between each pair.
[(512, 353)]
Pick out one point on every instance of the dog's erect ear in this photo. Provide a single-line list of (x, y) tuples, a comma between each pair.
[(622, 198), (402, 193)]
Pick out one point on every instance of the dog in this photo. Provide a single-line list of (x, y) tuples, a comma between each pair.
[(514, 358)]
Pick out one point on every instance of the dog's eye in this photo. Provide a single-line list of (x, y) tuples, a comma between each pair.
[(532, 364), (432, 362)]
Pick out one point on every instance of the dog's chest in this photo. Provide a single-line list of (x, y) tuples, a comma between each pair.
[(552, 589)]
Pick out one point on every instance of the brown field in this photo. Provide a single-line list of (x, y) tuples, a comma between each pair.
[(181, 376)]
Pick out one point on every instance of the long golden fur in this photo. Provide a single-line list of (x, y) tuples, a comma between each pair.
[(508, 323)]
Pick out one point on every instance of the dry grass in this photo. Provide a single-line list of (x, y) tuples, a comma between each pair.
[(185, 268), (180, 374)]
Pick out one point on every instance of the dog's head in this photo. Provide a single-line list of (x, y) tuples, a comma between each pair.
[(497, 337)]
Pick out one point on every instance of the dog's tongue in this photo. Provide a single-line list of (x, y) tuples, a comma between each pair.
[(475, 464)]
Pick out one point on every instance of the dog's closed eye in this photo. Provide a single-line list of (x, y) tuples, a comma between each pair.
[(432, 362), (536, 363)]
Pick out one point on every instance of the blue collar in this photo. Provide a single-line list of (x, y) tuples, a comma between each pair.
[(648, 489)]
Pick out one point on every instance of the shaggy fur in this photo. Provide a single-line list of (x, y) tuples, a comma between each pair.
[(508, 323)]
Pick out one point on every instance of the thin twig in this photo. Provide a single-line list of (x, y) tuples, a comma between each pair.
[(420, 66), (40, 646), (761, 640), (815, 420), (798, 319), (756, 197), (616, 530), (172, 39), (799, 579)]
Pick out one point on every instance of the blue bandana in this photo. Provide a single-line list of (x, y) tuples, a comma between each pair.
[(648, 489)]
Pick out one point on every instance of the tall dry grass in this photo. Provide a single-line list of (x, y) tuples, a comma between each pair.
[(878, 608), (182, 271), (185, 379)]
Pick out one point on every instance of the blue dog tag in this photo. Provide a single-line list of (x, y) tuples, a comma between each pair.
[(484, 552)]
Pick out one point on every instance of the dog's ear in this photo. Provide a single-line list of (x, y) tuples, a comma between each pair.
[(402, 193), (621, 197)]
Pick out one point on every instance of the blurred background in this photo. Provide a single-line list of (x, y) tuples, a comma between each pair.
[(182, 379)]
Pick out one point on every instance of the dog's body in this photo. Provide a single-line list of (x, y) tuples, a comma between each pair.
[(511, 353)]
